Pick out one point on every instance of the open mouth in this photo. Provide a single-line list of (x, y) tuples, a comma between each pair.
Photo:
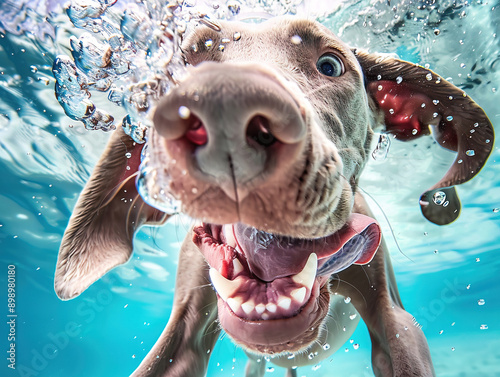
[(269, 285)]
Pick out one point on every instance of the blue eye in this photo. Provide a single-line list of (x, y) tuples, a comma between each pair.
[(330, 65)]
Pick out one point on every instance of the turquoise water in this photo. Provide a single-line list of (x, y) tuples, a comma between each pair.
[(444, 273)]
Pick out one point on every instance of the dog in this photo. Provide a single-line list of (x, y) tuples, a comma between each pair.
[(276, 125)]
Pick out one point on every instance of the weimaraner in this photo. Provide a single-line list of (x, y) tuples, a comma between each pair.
[(267, 157)]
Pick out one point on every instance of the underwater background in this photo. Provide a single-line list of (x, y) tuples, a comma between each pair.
[(448, 276)]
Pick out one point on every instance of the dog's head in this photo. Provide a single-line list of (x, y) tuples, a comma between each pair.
[(263, 141)]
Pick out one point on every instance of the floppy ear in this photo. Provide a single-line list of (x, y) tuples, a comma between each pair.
[(109, 210), (416, 101)]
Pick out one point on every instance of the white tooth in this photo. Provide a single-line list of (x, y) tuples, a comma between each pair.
[(260, 308), (237, 267), (284, 302), (247, 307), (234, 303), (229, 235), (299, 294), (265, 316), (307, 276), (271, 307), (224, 287)]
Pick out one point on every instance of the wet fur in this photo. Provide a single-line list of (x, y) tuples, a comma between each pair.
[(99, 234)]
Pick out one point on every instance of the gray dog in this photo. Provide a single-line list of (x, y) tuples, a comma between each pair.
[(275, 128)]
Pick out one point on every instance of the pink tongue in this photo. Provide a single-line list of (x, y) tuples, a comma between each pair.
[(271, 257)]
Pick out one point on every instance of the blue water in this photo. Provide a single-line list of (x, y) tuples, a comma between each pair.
[(45, 158)]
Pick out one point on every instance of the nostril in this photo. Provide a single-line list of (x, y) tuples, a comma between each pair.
[(196, 133), (259, 131)]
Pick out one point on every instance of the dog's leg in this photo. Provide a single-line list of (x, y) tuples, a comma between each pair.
[(185, 346), (255, 368), (399, 347)]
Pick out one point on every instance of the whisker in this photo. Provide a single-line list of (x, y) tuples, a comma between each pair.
[(388, 223)]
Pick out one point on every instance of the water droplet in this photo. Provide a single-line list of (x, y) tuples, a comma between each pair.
[(391, 111), (449, 118), (435, 101), (453, 348), (435, 115), (291, 356), (194, 190), (437, 31), (353, 316), (270, 369), (237, 36), (445, 204), (481, 302), (428, 76), (440, 332), (310, 356), (439, 197), (184, 112), (462, 65), (380, 88), (128, 154), (397, 335), (209, 43), (355, 346), (382, 148), (133, 356), (483, 327), (414, 131), (296, 39), (326, 346), (222, 48), (496, 210), (34, 69), (468, 286), (399, 79), (347, 300), (478, 260), (347, 349), (470, 153), (379, 77), (316, 367), (234, 7), (487, 141)]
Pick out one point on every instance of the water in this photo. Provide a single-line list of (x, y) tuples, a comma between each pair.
[(447, 275)]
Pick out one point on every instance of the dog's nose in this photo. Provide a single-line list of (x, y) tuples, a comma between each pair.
[(231, 122)]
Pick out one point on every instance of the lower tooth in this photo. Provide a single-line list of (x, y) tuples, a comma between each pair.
[(284, 302), (247, 307), (234, 304), (299, 294), (260, 308), (271, 308)]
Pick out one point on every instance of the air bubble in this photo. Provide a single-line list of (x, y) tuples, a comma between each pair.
[(481, 302), (209, 43), (470, 152), (428, 76), (449, 118), (353, 316), (347, 300), (435, 101), (184, 112), (355, 346), (382, 148), (399, 79), (128, 154), (296, 40), (326, 346), (483, 327), (439, 198), (237, 36)]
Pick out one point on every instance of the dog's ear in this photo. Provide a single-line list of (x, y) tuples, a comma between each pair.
[(109, 210), (415, 101)]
